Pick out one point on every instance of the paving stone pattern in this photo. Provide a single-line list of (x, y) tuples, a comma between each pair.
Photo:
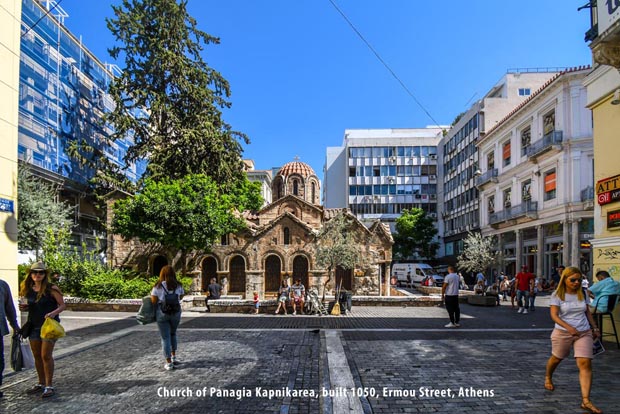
[(513, 369), (125, 377)]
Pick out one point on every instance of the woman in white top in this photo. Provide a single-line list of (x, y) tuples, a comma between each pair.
[(166, 296), (574, 327)]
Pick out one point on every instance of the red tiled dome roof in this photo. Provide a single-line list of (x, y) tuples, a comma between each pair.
[(296, 167)]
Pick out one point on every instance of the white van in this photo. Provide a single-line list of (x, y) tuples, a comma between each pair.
[(418, 271)]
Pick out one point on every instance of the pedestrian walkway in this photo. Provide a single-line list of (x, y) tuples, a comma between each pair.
[(377, 360)]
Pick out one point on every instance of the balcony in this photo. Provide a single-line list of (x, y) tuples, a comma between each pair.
[(489, 175), (545, 144), (587, 198), (526, 209)]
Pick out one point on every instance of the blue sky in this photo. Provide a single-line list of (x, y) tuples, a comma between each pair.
[(300, 75)]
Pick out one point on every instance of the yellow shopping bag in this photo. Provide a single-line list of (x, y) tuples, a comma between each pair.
[(52, 329)]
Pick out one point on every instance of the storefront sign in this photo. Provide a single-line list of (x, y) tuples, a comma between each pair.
[(608, 197), (608, 189), (613, 219), (7, 205), (608, 12)]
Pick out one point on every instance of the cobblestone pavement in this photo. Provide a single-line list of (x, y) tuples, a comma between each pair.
[(376, 360)]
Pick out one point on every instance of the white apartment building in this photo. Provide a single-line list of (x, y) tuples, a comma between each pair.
[(536, 179), (264, 177), (458, 196), (377, 173)]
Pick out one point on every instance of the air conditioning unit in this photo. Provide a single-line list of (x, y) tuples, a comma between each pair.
[(433, 196), (433, 215), (392, 159), (417, 196), (391, 180), (433, 157), (432, 177)]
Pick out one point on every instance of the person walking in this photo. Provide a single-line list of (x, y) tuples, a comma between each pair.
[(214, 291), (166, 296), (283, 296), (525, 285), (505, 288), (574, 327), (44, 300), (450, 296), (534, 292), (256, 302), (7, 313)]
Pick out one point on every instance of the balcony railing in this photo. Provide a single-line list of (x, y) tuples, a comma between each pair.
[(545, 144), (489, 175), (523, 209), (587, 194)]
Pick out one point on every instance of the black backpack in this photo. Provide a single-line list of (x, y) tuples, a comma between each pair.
[(171, 304)]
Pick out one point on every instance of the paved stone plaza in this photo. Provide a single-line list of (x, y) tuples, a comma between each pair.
[(375, 360)]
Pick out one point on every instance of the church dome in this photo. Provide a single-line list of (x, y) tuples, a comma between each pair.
[(296, 167)]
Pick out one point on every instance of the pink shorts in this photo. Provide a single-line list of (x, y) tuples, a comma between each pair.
[(561, 342)]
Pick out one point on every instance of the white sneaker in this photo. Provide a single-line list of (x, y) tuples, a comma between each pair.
[(458, 325), (175, 360), (450, 325), (168, 366), (525, 311), (295, 313), (520, 310)]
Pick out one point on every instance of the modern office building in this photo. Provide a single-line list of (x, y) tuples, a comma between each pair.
[(10, 12), (62, 98), (458, 195), (536, 192), (603, 85), (378, 173)]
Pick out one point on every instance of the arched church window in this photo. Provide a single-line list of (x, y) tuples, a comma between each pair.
[(313, 193), (295, 187), (287, 236)]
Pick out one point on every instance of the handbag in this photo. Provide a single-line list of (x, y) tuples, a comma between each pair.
[(21, 354), (146, 314), (52, 329), (26, 330)]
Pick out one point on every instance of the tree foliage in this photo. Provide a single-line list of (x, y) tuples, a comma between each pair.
[(336, 246), (478, 253), (415, 234), (168, 98), (40, 211), (184, 214)]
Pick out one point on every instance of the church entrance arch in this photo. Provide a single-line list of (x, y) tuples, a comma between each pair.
[(346, 275), (300, 270), (209, 271), (158, 263), (237, 275), (273, 268)]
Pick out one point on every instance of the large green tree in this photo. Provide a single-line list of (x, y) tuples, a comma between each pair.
[(40, 211), (184, 214), (415, 234), (168, 98), (336, 246)]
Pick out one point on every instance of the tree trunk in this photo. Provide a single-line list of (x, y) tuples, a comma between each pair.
[(329, 278)]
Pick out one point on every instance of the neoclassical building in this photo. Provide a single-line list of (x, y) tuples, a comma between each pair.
[(280, 241)]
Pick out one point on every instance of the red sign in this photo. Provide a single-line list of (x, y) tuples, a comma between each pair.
[(613, 219), (608, 197)]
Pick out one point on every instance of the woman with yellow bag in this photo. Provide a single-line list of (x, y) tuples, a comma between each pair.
[(44, 300)]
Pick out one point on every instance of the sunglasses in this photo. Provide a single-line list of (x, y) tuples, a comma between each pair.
[(575, 279), (38, 272)]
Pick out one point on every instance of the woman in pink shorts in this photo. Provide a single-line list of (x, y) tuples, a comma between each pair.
[(574, 327)]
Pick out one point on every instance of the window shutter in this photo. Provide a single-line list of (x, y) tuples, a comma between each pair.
[(506, 152), (550, 182)]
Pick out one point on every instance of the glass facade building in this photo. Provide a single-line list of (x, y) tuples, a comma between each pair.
[(62, 99)]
